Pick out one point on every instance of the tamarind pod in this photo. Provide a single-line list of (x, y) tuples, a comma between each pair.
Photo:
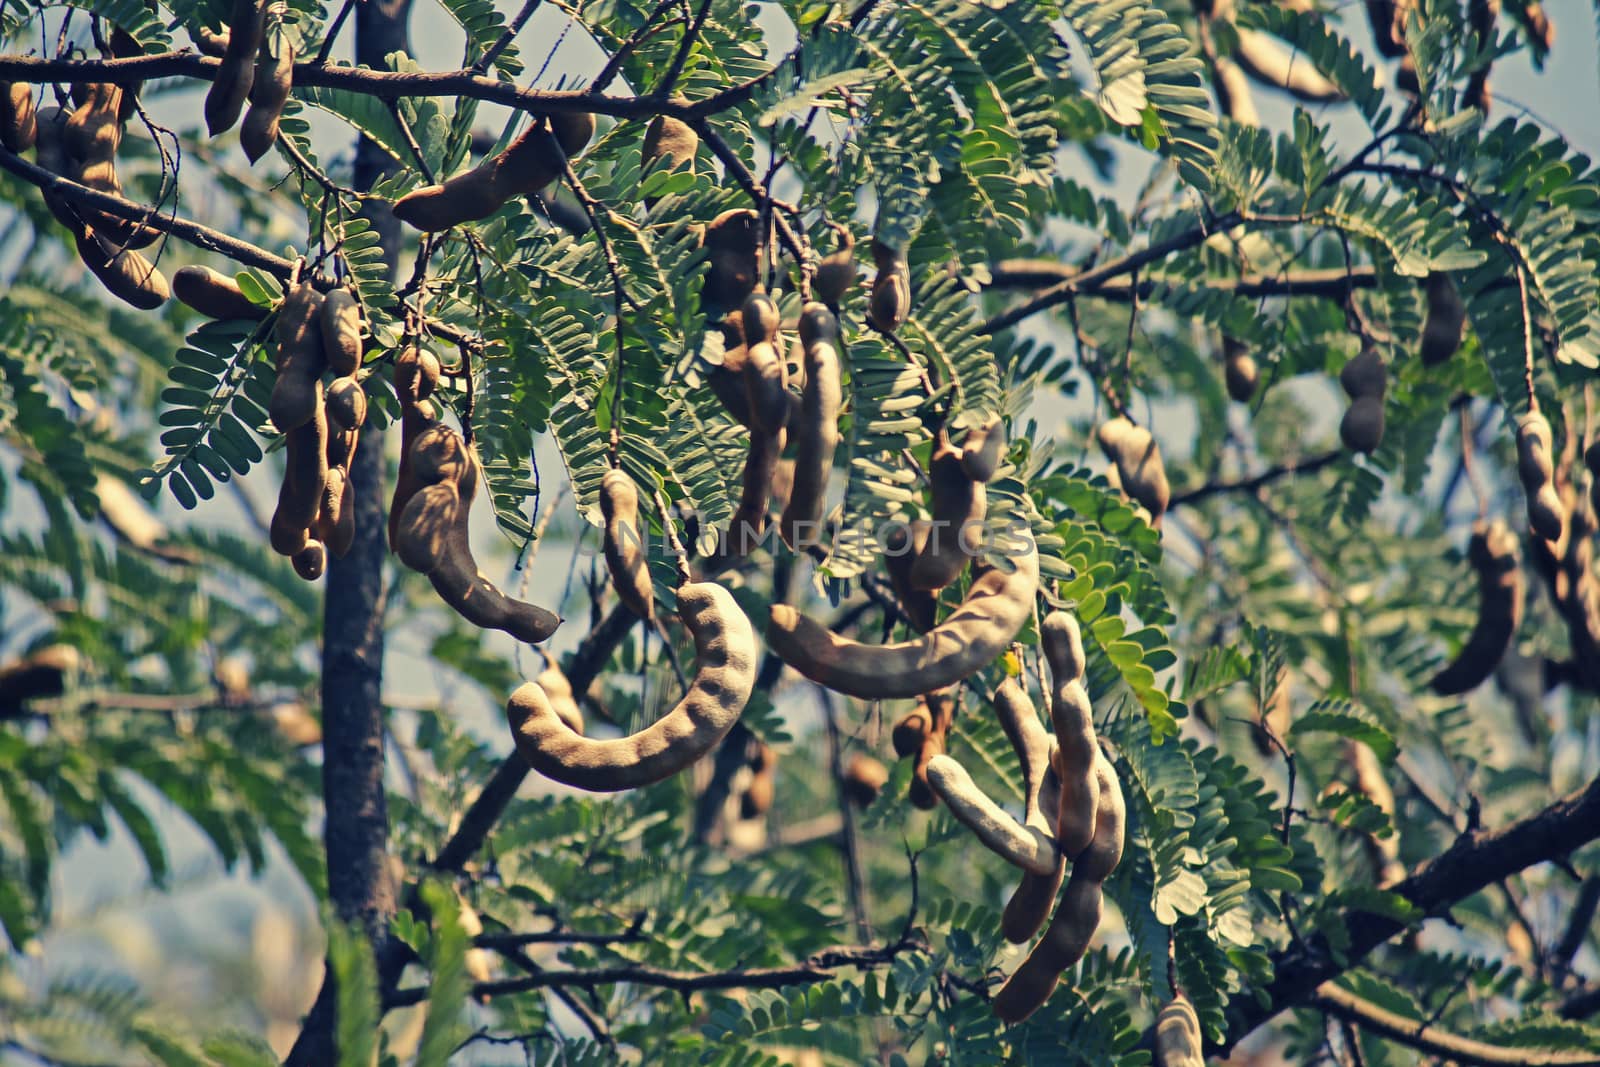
[(213, 294), (1077, 913), (528, 164), (733, 250), (1233, 92), (1270, 63), (974, 635), (749, 520), (1029, 904), (1239, 371), (624, 544), (1072, 717), (1388, 20), (211, 42), (342, 446), (729, 387), (310, 561), (757, 798), (300, 359), (1446, 320), (670, 140), (902, 546), (573, 130), (1361, 429), (1365, 374), (416, 374), (92, 131), (956, 535), (1021, 846), (269, 91), (1591, 460), (1536, 469), (836, 273), (347, 403), (415, 417), (228, 92), (864, 779), (433, 538), (939, 709), (50, 125), (558, 691), (1540, 29), (906, 736), (340, 323), (1178, 1032), (725, 674), (1492, 552), (466, 197), (817, 430), (1029, 739), (123, 46), (1138, 462), (305, 472), (766, 396), (983, 448), (890, 303), (18, 121), (336, 518), (126, 274)]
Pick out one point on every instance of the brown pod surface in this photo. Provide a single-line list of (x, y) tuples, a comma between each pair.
[(959, 507), (864, 779), (766, 395), (305, 472), (1239, 370), (214, 294), (347, 403), (1178, 1041), (1139, 466), (18, 120), (340, 323), (416, 374), (890, 303), (127, 275), (466, 197), (531, 162), (212, 42), (433, 538), (670, 143), (938, 712), (974, 634), (1494, 557), (415, 418), (1446, 320), (1536, 469), (1077, 750), (310, 561), (1029, 904), (269, 88), (733, 249), (625, 544), (836, 274), (983, 448), (231, 87), (336, 517), (816, 432), (1270, 62), (1365, 379), (563, 701), (902, 545), (50, 124), (756, 800), (298, 391)]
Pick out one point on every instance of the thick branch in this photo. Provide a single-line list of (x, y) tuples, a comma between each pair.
[(1476, 859), (1343, 1004), (819, 968), (1332, 284)]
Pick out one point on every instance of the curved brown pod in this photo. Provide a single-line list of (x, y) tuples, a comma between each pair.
[(890, 303), (1536, 469), (433, 538), (983, 448), (340, 325), (625, 544), (997, 605), (1240, 374), (767, 398), (231, 87), (126, 274), (1029, 904), (1140, 469), (836, 273), (864, 779), (336, 517), (306, 469), (18, 119), (902, 545), (298, 391), (816, 432), (1178, 1041), (921, 734), (725, 674), (1365, 379), (1077, 913), (1076, 748), (959, 506), (1446, 320), (214, 294), (269, 90), (733, 252), (1493, 555), (669, 142)]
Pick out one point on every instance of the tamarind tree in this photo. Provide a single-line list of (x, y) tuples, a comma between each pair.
[(1199, 499)]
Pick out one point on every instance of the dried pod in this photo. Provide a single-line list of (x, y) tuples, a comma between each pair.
[(836, 274), (51, 125), (214, 294), (1178, 1035), (336, 516), (1271, 63), (971, 638), (347, 403), (1233, 92), (1027, 847), (890, 304), (211, 42), (18, 121), (903, 544), (816, 432), (269, 88), (127, 275), (563, 701), (1076, 750), (767, 399), (310, 561), (983, 448), (1446, 321), (231, 87), (416, 374), (625, 544), (733, 251), (298, 391), (416, 417), (432, 538), (725, 674), (1139, 466), (305, 472), (1493, 555), (670, 143), (1029, 904), (1546, 514), (1239, 371), (340, 323), (1365, 379), (959, 507), (864, 779)]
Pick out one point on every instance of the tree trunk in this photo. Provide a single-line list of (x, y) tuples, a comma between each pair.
[(356, 820)]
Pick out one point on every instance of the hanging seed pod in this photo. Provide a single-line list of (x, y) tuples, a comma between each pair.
[(231, 87), (1365, 379), (670, 143), (214, 294), (1535, 467), (733, 250), (127, 275), (890, 305), (1493, 555), (1137, 458), (836, 274), (18, 125), (1239, 371), (1446, 321), (269, 88)]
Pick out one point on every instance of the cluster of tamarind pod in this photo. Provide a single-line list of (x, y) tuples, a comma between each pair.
[(316, 333), (257, 70)]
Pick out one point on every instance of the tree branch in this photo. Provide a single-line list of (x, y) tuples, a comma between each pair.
[(1343, 1004), (1307, 465), (1332, 284), (1476, 859)]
